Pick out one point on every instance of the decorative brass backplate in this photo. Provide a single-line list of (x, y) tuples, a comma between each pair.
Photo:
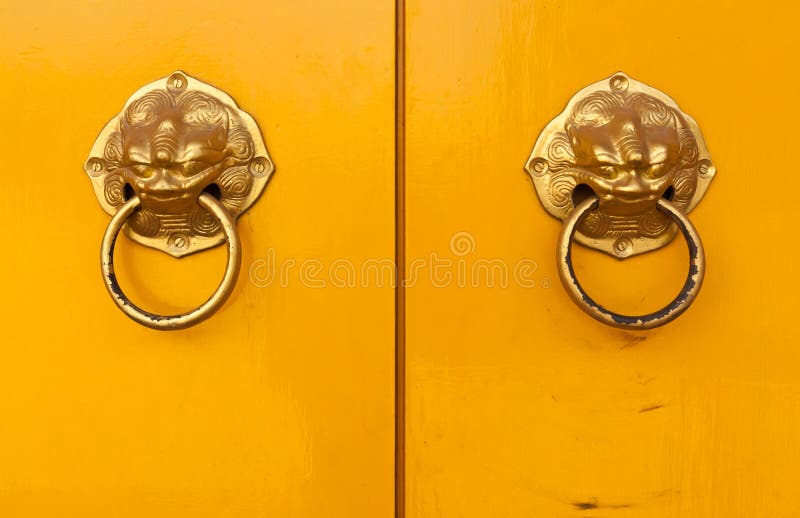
[(174, 139), (630, 144)]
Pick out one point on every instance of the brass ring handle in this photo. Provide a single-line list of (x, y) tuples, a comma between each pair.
[(202, 312), (658, 318)]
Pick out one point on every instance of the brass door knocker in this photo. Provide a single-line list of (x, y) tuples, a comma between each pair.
[(175, 169), (622, 165)]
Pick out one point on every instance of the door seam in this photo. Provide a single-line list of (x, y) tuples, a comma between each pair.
[(400, 253)]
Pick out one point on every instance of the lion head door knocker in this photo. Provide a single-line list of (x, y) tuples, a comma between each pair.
[(175, 169), (622, 165)]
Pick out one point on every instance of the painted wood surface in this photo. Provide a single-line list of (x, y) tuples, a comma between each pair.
[(282, 403), (518, 404)]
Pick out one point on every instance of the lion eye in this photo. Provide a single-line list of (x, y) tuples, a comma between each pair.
[(609, 171), (193, 167), (142, 170), (656, 170)]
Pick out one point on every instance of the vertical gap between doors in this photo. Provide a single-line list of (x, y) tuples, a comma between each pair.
[(400, 264)]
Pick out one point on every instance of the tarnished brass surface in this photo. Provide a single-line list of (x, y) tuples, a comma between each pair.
[(689, 291), (175, 138), (631, 145)]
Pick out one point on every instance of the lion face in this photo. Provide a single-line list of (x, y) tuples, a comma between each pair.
[(174, 147), (174, 139), (627, 149), (630, 145)]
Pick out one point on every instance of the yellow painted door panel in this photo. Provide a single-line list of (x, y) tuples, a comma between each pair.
[(520, 405), (280, 405)]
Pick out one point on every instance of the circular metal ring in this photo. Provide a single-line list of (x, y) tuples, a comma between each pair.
[(197, 315), (658, 318)]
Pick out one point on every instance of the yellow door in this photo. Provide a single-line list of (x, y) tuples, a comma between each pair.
[(514, 403), (520, 405), (281, 404)]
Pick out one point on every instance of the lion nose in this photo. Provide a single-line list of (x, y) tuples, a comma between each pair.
[(162, 156), (631, 148), (164, 144)]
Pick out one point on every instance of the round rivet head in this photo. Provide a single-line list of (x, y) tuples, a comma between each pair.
[(259, 166), (706, 168), (178, 241), (537, 166), (176, 82), (95, 166), (623, 247), (619, 83)]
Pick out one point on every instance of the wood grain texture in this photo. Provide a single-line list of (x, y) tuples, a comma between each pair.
[(282, 403), (520, 405)]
